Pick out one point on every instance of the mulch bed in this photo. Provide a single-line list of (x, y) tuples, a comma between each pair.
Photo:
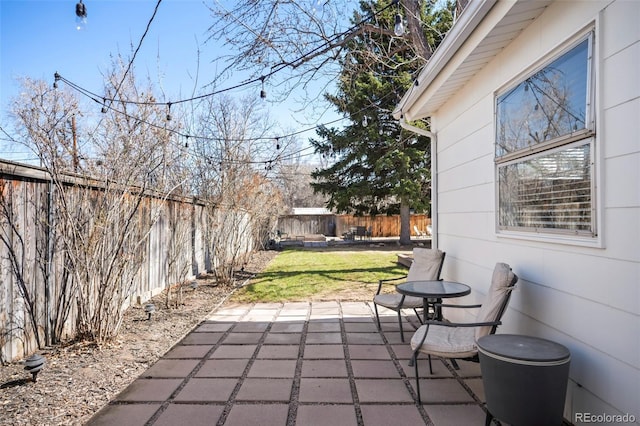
[(79, 377)]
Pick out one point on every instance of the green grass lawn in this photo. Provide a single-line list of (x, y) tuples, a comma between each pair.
[(321, 274)]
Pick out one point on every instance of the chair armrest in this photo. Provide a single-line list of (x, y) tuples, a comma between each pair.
[(443, 305), (388, 280), (462, 324), (393, 279)]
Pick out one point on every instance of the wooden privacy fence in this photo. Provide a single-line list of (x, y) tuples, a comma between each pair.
[(336, 225), (40, 291), (381, 226)]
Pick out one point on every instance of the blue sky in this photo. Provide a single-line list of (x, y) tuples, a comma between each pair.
[(39, 37)]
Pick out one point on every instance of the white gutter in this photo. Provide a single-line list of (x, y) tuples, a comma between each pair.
[(434, 177)]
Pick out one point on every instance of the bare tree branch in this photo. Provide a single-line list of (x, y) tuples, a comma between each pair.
[(294, 43)]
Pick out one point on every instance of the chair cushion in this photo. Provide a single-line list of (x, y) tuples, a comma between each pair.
[(448, 342), (426, 264), (498, 291), (392, 301)]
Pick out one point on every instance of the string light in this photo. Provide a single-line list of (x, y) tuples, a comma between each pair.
[(263, 94), (81, 10), (398, 28), (95, 98), (81, 15), (275, 69)]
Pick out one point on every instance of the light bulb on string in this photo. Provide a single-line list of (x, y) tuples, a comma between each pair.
[(398, 28), (81, 16), (169, 111), (277, 143), (56, 78), (104, 106), (365, 121), (263, 94)]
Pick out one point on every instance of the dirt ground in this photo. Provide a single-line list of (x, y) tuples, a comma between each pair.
[(79, 378)]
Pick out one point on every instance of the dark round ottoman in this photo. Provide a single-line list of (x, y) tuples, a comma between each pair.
[(525, 378)]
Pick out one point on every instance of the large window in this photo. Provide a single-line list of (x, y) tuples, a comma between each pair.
[(544, 148)]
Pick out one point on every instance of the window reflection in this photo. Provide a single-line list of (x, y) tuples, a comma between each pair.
[(549, 104)]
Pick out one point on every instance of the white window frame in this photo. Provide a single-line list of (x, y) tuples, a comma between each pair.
[(580, 137)]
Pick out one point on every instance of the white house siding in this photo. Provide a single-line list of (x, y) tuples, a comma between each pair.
[(587, 298)]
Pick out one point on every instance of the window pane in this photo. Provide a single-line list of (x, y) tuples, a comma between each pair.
[(549, 104), (551, 191)]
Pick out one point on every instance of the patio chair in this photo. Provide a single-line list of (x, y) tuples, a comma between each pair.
[(419, 233), (458, 340), (426, 265)]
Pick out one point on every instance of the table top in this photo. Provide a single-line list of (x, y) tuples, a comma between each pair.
[(524, 348), (433, 289)]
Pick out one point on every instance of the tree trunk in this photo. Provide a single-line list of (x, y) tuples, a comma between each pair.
[(405, 223), (414, 25)]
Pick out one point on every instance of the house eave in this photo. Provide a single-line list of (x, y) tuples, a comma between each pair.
[(482, 31)]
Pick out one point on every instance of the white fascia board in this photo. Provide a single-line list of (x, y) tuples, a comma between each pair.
[(434, 74)]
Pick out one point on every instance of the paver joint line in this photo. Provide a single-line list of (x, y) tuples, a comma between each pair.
[(179, 389), (253, 363)]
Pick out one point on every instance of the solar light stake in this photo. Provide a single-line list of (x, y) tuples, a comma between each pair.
[(149, 308), (34, 364)]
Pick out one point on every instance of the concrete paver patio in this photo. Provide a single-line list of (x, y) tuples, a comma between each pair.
[(319, 363)]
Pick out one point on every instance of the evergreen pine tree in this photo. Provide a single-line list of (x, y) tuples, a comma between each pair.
[(376, 167)]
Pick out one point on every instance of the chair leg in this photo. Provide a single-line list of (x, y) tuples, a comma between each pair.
[(375, 308), (418, 316), (415, 366), (488, 419), (400, 324), (430, 367)]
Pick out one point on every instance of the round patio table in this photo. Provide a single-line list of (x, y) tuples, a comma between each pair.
[(432, 293)]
